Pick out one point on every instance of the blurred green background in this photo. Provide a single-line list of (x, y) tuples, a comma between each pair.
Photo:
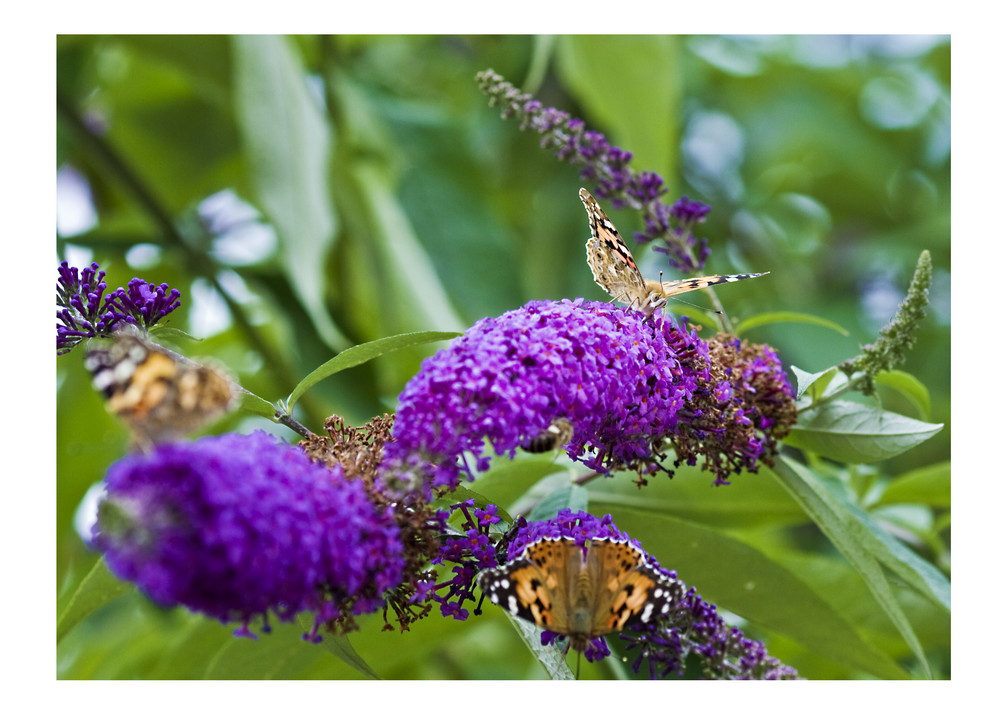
[(306, 194)]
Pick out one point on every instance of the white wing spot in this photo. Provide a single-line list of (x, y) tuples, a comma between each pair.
[(647, 613)]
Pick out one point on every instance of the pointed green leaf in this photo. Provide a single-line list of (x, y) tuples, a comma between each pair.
[(853, 433), (814, 383), (256, 405), (97, 588), (930, 485), (550, 656), (288, 143), (910, 387), (506, 483), (569, 497), (340, 646), (361, 353), (410, 289), (854, 540), (913, 569)]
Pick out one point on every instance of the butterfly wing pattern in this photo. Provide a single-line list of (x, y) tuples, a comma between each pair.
[(616, 272), (159, 394), (579, 592)]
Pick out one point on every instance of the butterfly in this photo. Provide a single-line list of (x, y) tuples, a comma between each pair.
[(158, 393), (558, 433), (616, 272), (581, 592)]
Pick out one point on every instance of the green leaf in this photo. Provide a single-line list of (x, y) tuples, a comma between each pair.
[(398, 275), (814, 383), (550, 656), (340, 646), (751, 501), (507, 483), (855, 540), (728, 572), (762, 319), (256, 405), (97, 588), (280, 654), (930, 485), (288, 143), (361, 353), (853, 433), (913, 569), (910, 387), (573, 497)]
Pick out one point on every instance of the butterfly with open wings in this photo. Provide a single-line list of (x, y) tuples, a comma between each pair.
[(158, 393), (581, 592)]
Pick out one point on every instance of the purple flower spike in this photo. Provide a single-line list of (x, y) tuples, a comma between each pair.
[(144, 304), (83, 311), (736, 421), (237, 527), (617, 380), (468, 554), (606, 168)]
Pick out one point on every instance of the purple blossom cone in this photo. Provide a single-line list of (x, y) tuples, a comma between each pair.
[(83, 311), (144, 304), (238, 526), (617, 379), (737, 423), (605, 168)]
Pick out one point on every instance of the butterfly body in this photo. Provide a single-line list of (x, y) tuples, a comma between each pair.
[(615, 269), (581, 592), (159, 394)]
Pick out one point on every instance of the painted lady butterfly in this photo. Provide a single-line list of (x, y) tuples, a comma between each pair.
[(157, 392), (559, 433), (580, 592), (616, 272)]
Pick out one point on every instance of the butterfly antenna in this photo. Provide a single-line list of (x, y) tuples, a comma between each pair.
[(578, 664)]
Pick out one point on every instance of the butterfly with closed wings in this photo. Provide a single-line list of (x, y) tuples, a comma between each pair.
[(616, 272)]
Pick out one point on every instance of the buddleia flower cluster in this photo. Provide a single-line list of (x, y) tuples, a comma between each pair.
[(83, 311), (606, 168), (735, 421), (245, 527), (631, 391)]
